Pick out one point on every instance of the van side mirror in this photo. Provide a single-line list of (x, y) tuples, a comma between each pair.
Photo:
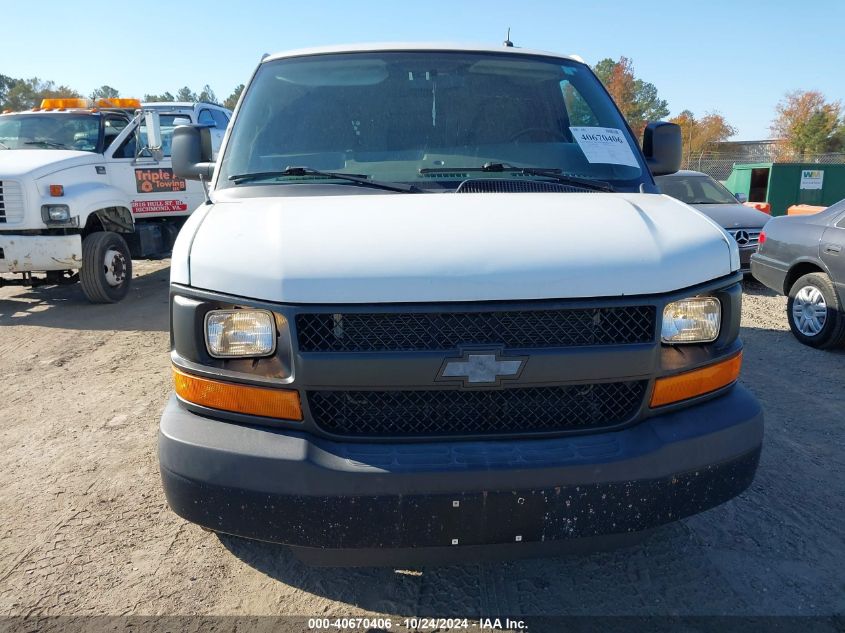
[(741, 197), (662, 147), (191, 153)]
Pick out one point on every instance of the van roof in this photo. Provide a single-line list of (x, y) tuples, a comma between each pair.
[(414, 46)]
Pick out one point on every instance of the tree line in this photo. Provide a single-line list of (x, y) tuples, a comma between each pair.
[(206, 94), (23, 94), (805, 123)]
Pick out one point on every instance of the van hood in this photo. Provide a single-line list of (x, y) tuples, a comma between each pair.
[(37, 163), (458, 247)]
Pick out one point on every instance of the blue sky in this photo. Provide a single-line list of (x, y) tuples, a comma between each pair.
[(737, 57)]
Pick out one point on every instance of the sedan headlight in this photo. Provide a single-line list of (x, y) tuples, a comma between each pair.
[(240, 333), (693, 320)]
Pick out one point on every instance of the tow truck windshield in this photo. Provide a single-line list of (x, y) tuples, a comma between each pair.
[(50, 131), (431, 118)]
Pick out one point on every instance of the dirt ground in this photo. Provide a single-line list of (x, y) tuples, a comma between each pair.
[(85, 528)]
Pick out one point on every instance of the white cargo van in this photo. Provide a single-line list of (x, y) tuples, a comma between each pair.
[(435, 301)]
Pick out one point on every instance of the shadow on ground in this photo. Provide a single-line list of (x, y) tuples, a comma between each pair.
[(757, 342), (575, 583), (145, 308), (751, 286)]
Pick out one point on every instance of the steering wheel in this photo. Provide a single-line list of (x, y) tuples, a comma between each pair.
[(541, 130)]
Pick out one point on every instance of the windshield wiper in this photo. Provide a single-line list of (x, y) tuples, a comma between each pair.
[(547, 172), (359, 179), (47, 143)]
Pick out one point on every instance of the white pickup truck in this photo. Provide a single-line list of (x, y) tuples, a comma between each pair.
[(436, 303), (82, 190)]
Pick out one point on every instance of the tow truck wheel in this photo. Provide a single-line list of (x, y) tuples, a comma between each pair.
[(106, 267)]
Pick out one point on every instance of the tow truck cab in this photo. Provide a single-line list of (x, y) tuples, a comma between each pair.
[(83, 190), (454, 312)]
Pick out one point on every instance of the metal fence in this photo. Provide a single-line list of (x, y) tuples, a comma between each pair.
[(719, 165)]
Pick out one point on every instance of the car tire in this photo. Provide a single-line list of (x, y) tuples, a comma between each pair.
[(815, 313), (106, 267)]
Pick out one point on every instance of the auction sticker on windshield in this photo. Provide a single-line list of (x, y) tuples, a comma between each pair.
[(604, 145)]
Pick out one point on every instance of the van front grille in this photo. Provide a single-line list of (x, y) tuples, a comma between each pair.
[(444, 412), (437, 331)]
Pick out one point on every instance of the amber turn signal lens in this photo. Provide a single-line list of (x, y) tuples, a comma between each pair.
[(696, 382), (118, 102), (270, 403), (57, 191), (51, 104)]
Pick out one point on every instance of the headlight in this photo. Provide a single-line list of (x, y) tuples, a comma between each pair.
[(55, 213), (240, 333), (693, 320)]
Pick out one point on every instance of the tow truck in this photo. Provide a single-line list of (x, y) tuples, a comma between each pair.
[(85, 186)]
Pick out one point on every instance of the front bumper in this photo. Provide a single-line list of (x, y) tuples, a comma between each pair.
[(769, 272), (745, 258), (293, 488), (37, 253)]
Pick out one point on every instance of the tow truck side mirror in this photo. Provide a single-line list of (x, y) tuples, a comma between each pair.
[(191, 154), (662, 147), (153, 124)]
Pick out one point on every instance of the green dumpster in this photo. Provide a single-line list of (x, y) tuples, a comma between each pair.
[(785, 184)]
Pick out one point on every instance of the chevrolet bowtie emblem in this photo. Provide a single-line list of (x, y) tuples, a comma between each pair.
[(480, 369)]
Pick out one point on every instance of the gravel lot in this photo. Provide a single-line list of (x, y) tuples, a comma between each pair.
[(86, 529)]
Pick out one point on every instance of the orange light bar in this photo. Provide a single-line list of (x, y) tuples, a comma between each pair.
[(57, 191), (65, 103), (118, 102), (696, 382), (270, 403)]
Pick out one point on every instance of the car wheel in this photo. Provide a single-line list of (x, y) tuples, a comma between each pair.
[(106, 267), (815, 313)]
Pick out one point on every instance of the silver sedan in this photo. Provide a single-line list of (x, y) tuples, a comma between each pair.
[(803, 257)]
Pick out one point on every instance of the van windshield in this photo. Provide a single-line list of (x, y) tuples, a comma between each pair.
[(423, 117)]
